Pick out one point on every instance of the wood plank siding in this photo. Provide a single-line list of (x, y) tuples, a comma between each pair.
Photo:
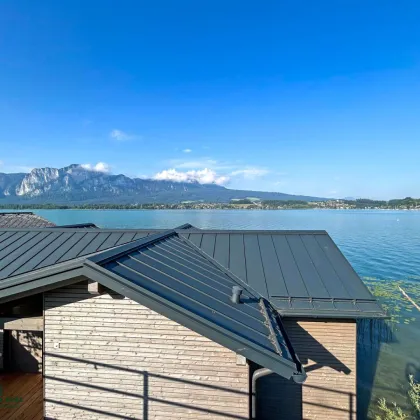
[(110, 357), (328, 351)]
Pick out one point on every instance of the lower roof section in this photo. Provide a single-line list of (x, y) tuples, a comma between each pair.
[(302, 273)]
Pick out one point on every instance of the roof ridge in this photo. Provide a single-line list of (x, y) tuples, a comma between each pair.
[(257, 231), (120, 250)]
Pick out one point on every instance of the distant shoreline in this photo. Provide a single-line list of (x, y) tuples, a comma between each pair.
[(407, 203), (201, 208)]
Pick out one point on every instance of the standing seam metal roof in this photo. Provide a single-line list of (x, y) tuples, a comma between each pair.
[(24, 251), (298, 271), (195, 291), (302, 273)]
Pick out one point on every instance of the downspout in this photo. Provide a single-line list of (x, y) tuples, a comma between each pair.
[(299, 378), (259, 373)]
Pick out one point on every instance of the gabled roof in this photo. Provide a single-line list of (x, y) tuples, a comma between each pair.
[(22, 220), (302, 273), (169, 275)]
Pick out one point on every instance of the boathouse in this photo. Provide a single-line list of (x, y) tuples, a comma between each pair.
[(178, 324)]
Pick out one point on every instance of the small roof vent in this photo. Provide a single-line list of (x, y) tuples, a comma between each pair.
[(236, 294)]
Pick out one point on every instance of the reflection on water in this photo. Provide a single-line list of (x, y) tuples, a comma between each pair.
[(388, 352), (382, 245)]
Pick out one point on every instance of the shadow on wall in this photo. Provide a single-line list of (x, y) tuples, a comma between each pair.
[(145, 379), (279, 398), (23, 351)]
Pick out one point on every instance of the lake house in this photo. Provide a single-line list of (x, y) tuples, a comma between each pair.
[(178, 324)]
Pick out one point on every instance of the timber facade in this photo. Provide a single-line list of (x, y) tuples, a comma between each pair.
[(181, 324), (107, 354)]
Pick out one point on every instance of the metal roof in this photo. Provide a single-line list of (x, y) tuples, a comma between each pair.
[(302, 273), (22, 220), (171, 276), (22, 251), (79, 225)]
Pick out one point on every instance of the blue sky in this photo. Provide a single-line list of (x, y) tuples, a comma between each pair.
[(319, 98)]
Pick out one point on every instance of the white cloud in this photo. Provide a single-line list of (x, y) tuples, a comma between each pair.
[(18, 168), (204, 176), (187, 150), (209, 170), (250, 173), (120, 135), (194, 164), (99, 167)]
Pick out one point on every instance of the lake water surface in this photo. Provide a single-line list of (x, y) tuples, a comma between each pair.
[(382, 246)]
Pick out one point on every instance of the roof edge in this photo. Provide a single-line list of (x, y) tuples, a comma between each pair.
[(331, 315), (202, 326), (258, 231)]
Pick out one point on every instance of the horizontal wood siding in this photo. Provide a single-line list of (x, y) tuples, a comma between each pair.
[(109, 357), (328, 351)]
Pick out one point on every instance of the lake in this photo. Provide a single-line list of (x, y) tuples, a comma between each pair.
[(382, 246)]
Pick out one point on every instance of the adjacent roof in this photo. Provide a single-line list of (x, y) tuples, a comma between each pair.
[(22, 220), (79, 225), (301, 273), (167, 274)]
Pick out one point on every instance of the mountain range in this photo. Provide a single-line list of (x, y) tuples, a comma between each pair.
[(77, 184)]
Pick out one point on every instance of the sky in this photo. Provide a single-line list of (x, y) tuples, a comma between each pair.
[(317, 98)]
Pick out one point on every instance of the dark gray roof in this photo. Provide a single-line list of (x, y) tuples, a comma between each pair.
[(22, 251), (302, 273), (179, 281), (22, 220), (79, 225)]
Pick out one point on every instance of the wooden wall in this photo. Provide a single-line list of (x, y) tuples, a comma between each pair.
[(25, 351), (108, 357), (328, 351), (1, 348)]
